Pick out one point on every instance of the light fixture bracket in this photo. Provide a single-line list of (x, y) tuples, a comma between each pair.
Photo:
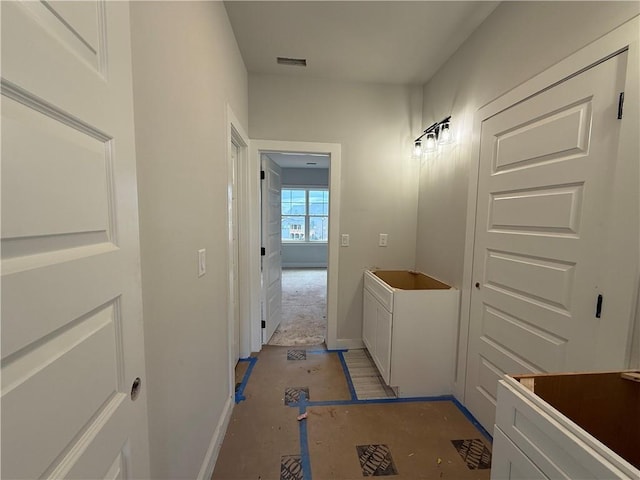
[(435, 129)]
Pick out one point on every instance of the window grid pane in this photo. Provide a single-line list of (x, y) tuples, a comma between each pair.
[(293, 228), (305, 215), (318, 229)]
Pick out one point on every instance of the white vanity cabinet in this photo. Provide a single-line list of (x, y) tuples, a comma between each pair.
[(409, 327), (573, 426)]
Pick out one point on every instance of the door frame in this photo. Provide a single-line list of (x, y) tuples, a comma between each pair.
[(257, 147), (237, 135), (625, 37)]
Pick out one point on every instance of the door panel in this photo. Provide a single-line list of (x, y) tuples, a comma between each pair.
[(46, 150), (71, 308), (544, 191), (83, 360), (552, 209), (271, 241)]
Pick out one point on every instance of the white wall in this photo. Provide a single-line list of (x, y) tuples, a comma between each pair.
[(305, 177), (517, 41), (186, 67), (375, 125), (304, 255)]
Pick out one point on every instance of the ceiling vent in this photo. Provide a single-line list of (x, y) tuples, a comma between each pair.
[(297, 62)]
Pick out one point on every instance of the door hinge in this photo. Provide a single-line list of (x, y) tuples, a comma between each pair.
[(262, 176), (264, 324), (620, 105), (599, 306), (263, 251)]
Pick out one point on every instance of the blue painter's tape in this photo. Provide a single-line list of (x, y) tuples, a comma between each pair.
[(347, 376), (320, 352), (472, 419), (305, 458), (375, 401), (245, 379)]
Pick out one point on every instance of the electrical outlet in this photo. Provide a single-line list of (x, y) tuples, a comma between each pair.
[(202, 262), (344, 240), (383, 241)]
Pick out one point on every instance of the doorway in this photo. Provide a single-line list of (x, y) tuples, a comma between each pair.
[(302, 221), (312, 152)]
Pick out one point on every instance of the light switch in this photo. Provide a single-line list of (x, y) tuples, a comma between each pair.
[(382, 242), (344, 240), (202, 262)]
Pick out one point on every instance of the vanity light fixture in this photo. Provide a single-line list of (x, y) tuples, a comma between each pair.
[(437, 134)]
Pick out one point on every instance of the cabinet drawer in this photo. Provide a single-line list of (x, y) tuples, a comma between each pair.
[(379, 290), (558, 447)]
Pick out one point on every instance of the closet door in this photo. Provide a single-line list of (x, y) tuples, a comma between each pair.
[(545, 239), (73, 396)]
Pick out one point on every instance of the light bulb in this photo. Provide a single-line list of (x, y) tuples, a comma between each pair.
[(417, 149), (430, 144), (445, 133)]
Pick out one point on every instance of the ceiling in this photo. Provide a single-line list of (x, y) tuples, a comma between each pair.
[(381, 41), (300, 160)]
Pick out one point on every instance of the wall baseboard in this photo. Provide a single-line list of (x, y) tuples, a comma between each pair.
[(209, 463), (304, 265), (349, 343)]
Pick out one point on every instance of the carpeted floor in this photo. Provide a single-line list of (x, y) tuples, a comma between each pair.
[(304, 308), (341, 436)]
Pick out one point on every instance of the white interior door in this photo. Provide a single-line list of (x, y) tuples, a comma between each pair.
[(72, 342), (547, 183), (271, 240)]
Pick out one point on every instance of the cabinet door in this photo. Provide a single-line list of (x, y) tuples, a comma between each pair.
[(508, 461), (369, 322), (383, 342)]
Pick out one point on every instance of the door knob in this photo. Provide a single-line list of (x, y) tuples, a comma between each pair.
[(478, 285)]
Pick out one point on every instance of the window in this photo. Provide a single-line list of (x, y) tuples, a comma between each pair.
[(305, 215)]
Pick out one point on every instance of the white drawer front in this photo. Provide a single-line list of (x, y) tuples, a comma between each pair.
[(556, 449), (380, 290)]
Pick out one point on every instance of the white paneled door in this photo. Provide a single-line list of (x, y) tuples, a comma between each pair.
[(73, 383), (545, 238), (271, 241)]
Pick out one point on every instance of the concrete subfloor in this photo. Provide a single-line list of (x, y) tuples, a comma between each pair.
[(342, 437)]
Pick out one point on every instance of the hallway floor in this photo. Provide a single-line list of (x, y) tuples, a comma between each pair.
[(342, 436)]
